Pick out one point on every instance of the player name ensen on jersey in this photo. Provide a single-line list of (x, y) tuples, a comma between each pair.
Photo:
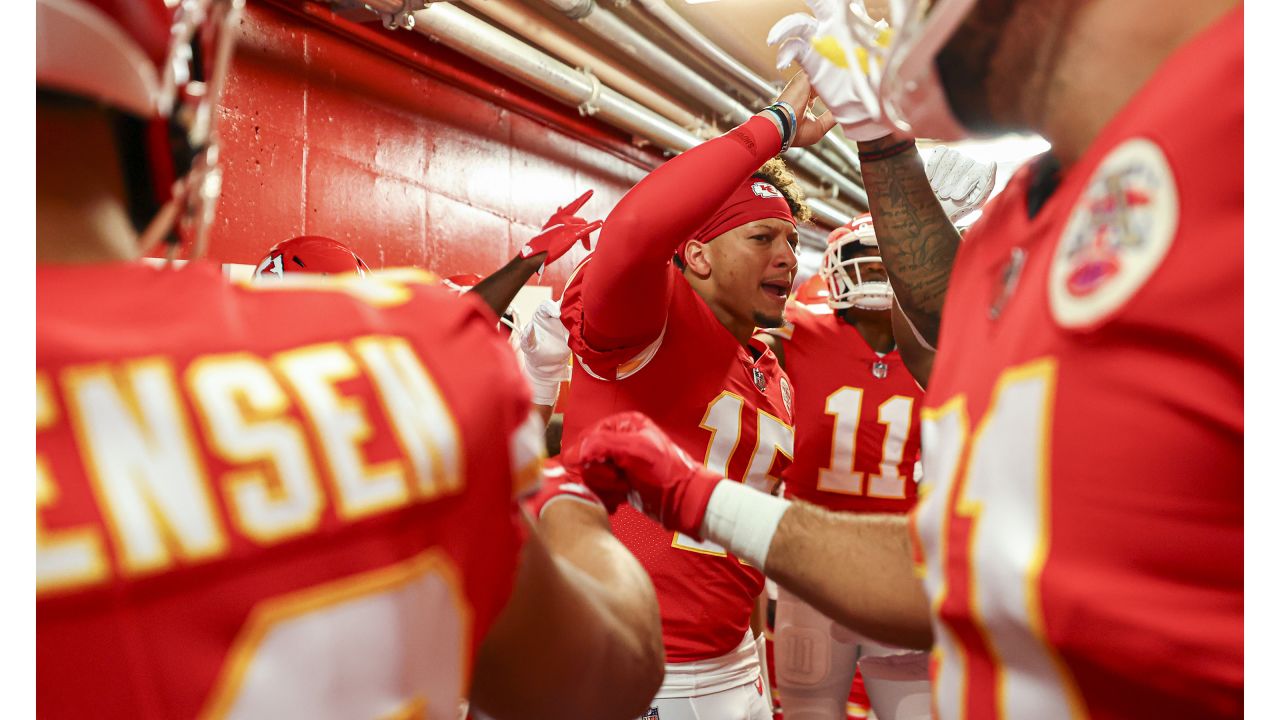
[(258, 418)]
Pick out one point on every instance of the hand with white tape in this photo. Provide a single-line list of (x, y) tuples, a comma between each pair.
[(831, 45), (545, 344), (961, 183)]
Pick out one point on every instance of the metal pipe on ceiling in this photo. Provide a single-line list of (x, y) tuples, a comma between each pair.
[(685, 30), (535, 29), (647, 53), (471, 36)]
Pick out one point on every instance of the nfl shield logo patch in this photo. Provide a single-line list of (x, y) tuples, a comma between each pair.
[(758, 377)]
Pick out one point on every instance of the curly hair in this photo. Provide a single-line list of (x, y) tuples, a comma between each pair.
[(776, 173)]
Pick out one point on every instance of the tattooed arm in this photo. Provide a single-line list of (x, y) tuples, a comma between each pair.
[(917, 241)]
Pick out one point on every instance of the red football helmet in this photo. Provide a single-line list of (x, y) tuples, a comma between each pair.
[(163, 62), (309, 254), (813, 292), (849, 289)]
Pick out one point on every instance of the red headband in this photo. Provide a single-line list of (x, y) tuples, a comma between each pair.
[(755, 200)]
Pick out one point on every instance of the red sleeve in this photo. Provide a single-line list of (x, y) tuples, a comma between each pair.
[(642, 233)]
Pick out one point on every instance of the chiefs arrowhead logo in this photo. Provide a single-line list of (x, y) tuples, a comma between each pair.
[(765, 190)]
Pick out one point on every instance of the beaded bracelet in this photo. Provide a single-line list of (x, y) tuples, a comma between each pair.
[(791, 113), (784, 124)]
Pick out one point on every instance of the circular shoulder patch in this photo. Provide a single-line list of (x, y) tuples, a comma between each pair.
[(1118, 234)]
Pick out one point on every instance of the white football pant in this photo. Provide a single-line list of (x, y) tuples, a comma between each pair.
[(815, 658), (728, 687), (745, 702)]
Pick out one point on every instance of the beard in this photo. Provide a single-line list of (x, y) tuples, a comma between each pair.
[(763, 320)]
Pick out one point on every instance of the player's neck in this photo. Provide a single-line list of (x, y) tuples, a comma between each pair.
[(875, 327), (1108, 53)]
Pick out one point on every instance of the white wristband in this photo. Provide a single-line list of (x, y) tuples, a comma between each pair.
[(743, 520)]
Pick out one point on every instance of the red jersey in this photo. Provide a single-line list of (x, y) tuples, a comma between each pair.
[(287, 499), (717, 402), (857, 435), (1082, 528)]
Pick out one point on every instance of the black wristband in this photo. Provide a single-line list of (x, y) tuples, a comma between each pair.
[(886, 153), (788, 130)]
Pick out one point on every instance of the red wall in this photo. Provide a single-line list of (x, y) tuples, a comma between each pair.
[(407, 152)]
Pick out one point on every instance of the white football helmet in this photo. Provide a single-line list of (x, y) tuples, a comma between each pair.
[(844, 274)]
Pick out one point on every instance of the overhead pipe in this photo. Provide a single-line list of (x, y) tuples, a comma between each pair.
[(685, 30), (495, 49), (647, 53), (471, 36), (534, 29)]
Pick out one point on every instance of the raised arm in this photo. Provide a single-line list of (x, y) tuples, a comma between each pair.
[(501, 287), (667, 207), (916, 355), (917, 240)]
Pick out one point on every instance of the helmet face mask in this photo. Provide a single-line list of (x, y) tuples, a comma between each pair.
[(910, 91), (843, 270), (161, 61)]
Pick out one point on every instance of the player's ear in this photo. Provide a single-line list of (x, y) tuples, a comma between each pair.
[(697, 258)]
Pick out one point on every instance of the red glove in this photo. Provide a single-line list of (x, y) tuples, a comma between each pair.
[(561, 231), (557, 484), (627, 456)]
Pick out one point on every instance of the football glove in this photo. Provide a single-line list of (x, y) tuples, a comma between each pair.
[(961, 183), (545, 344), (560, 232), (840, 48), (628, 457)]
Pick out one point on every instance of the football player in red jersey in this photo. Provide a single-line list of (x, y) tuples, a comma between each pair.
[(280, 499), (857, 441), (1080, 530), (674, 339)]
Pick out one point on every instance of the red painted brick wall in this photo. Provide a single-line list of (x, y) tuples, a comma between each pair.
[(324, 134)]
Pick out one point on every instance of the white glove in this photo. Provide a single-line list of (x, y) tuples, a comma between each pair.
[(840, 49), (545, 344), (961, 183)]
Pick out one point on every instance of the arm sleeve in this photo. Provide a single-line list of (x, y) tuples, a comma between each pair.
[(642, 233)]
